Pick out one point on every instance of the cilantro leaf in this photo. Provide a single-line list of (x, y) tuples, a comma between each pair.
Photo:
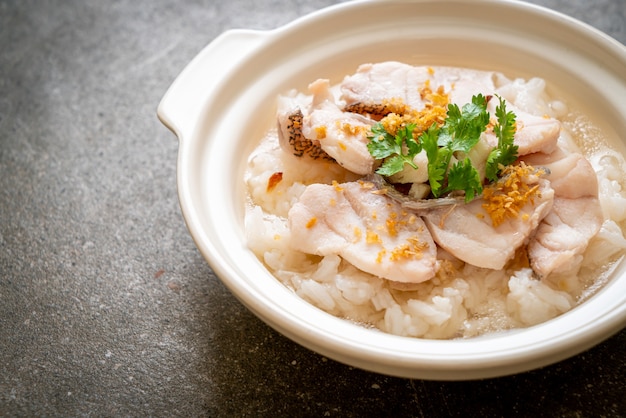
[(505, 152), (413, 146), (383, 145), (392, 165), (492, 167), (464, 176), (462, 128), (438, 159)]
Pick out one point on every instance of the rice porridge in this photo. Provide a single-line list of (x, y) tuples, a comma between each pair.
[(435, 202)]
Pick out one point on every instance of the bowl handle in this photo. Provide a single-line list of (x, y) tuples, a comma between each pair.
[(181, 105)]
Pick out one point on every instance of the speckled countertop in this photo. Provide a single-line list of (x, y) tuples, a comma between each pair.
[(106, 306)]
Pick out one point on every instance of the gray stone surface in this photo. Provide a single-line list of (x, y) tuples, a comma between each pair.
[(106, 306)]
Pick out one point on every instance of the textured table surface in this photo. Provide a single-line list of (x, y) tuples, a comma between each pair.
[(106, 306)]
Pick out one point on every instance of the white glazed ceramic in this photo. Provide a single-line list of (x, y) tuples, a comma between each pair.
[(224, 101)]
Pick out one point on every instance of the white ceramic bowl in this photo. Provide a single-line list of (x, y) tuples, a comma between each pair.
[(224, 101)]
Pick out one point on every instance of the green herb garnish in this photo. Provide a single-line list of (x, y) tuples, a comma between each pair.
[(396, 150), (438, 159), (462, 128), (459, 133), (463, 176), (506, 152)]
